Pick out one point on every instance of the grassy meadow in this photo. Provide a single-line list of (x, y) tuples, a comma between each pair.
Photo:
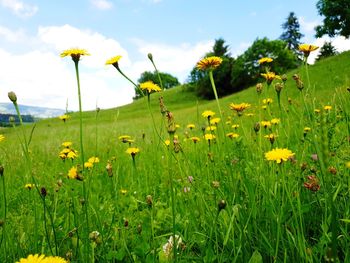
[(220, 198)]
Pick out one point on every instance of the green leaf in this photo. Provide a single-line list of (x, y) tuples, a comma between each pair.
[(256, 258)]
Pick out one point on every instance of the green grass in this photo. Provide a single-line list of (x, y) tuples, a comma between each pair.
[(269, 216)]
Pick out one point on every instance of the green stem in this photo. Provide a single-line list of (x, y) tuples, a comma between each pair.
[(3, 238), (45, 226), (159, 78)]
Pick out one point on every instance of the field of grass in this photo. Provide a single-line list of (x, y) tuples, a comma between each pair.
[(222, 198)]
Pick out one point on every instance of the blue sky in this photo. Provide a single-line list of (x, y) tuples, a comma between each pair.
[(177, 32)]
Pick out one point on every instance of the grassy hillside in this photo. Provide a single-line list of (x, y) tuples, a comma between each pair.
[(228, 199)]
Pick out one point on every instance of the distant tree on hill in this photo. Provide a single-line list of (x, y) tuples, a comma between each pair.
[(168, 80), (222, 75), (246, 70), (291, 34), (336, 18), (327, 50)]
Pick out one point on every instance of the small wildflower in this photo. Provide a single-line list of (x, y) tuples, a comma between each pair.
[(88, 165), (279, 155), (209, 137), (208, 114), (235, 126), (259, 88), (74, 53), (275, 121), (150, 87), (191, 126), (232, 135), (267, 101), (190, 179), (211, 128), (29, 186), (265, 124), (239, 108), (215, 121), (93, 160), (332, 170), (307, 48), (209, 63), (265, 60), (215, 184), (221, 205), (317, 110), (195, 139), (249, 114), (314, 157), (2, 137), (327, 108), (64, 117), (67, 144), (347, 165), (306, 130), (167, 142), (271, 137), (124, 138), (270, 76), (133, 151), (114, 61), (123, 191), (169, 246), (73, 173)]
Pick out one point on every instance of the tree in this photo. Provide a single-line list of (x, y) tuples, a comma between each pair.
[(327, 50), (168, 80), (246, 70), (291, 34), (222, 75), (336, 18)]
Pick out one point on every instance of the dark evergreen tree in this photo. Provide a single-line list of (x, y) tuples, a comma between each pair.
[(327, 50), (291, 34), (336, 18)]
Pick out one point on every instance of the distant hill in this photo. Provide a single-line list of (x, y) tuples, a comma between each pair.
[(36, 112)]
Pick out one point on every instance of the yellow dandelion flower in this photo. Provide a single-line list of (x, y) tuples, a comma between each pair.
[(94, 159), (209, 63), (195, 139), (54, 260), (232, 135), (150, 87), (235, 126), (265, 60), (327, 108), (64, 117), (177, 126), (317, 110), (271, 137), (209, 137), (347, 165), (249, 114), (29, 186), (267, 101), (75, 53), (265, 124), (211, 128), (270, 76), (88, 165), (132, 151), (275, 121), (113, 61), (124, 138), (307, 129), (2, 137), (67, 144), (208, 114), (123, 191), (32, 259), (278, 155), (73, 173), (215, 121), (72, 155), (191, 126), (167, 142), (239, 107), (307, 48), (264, 107)]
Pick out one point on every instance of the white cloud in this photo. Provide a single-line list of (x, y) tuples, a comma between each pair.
[(176, 60), (340, 43), (307, 27), (19, 7), (10, 35), (41, 77), (102, 4)]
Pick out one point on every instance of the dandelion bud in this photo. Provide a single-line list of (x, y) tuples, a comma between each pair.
[(221, 204), (303, 166), (257, 126), (43, 192), (215, 184), (300, 85), (259, 88), (296, 77), (126, 223), (109, 169), (139, 228), (94, 235), (12, 96), (82, 201), (2, 222), (69, 255), (284, 78), (1, 170), (150, 57), (171, 123), (278, 87), (163, 108), (149, 200), (332, 170)]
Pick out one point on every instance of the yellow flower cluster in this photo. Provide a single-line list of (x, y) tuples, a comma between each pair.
[(209, 63), (67, 152), (42, 259), (150, 87), (279, 155)]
